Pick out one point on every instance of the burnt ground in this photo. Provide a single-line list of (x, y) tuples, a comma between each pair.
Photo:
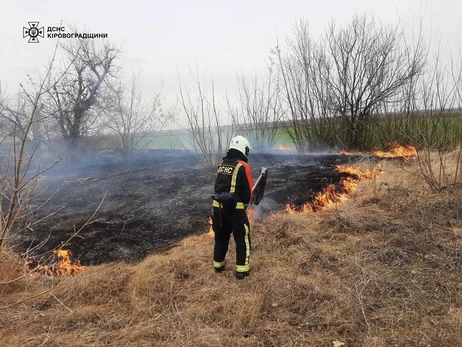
[(152, 200)]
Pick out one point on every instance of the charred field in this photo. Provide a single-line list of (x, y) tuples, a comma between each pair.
[(380, 268), (153, 199)]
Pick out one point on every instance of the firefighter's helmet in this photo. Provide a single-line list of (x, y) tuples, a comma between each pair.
[(241, 144)]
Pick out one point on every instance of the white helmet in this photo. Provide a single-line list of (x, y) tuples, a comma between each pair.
[(241, 144)]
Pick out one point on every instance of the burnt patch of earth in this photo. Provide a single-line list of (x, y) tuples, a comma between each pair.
[(150, 201)]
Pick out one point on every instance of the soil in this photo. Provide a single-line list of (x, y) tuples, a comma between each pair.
[(153, 199)]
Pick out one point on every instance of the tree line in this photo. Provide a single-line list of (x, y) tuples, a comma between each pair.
[(359, 86), (355, 87), (83, 97)]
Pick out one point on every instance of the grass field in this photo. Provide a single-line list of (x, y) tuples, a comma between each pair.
[(381, 269), (429, 131)]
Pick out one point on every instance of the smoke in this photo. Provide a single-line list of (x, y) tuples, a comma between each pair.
[(291, 150), (264, 209)]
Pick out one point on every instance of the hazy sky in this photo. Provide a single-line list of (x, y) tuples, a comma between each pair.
[(224, 38)]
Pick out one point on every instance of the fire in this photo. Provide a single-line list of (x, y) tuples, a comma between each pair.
[(367, 174), (284, 148), (251, 215), (398, 151), (322, 200), (333, 194), (64, 267), (210, 233)]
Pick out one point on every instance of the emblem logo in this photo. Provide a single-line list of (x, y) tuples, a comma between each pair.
[(33, 32)]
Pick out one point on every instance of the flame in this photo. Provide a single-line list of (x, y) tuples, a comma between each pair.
[(332, 194), (284, 148), (346, 152), (64, 267), (367, 174), (251, 215), (210, 233), (398, 151)]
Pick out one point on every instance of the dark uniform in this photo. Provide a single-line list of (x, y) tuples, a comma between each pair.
[(234, 175)]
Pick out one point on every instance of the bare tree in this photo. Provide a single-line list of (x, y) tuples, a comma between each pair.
[(16, 179), (438, 123), (131, 119), (208, 131), (368, 65), (13, 117), (73, 98), (305, 91), (344, 80), (259, 110)]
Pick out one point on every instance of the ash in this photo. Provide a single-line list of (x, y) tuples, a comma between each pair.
[(154, 199)]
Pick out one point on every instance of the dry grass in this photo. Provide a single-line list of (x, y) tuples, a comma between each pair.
[(382, 269)]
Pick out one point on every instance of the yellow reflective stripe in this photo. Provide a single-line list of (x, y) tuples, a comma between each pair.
[(219, 264), (246, 267), (234, 178), (247, 245), (239, 205), (242, 268)]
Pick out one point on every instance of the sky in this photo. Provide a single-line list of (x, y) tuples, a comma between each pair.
[(161, 40)]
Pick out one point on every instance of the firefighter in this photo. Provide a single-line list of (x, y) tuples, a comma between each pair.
[(233, 193)]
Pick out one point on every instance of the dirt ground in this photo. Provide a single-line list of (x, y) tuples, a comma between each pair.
[(152, 200)]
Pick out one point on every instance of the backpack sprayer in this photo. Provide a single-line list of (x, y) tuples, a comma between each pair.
[(258, 190)]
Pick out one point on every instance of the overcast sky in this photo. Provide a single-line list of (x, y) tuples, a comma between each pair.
[(224, 38)]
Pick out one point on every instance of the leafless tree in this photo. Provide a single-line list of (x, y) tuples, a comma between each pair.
[(368, 65), (304, 90), (130, 119), (259, 110), (16, 179), (346, 78), (72, 99), (13, 116), (437, 122), (208, 130)]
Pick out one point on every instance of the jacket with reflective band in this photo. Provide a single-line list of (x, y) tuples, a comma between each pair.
[(234, 175)]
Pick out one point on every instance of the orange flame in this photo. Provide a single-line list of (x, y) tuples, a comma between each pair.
[(347, 152), (250, 215), (284, 148), (368, 174), (210, 233), (398, 151), (332, 194), (64, 267)]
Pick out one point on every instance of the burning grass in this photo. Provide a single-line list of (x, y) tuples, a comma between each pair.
[(398, 151), (335, 194), (382, 268)]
